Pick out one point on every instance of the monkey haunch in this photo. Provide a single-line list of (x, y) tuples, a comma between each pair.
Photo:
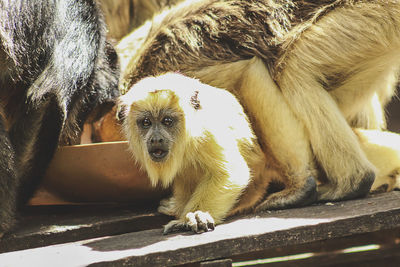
[(196, 137), (305, 72), (55, 69)]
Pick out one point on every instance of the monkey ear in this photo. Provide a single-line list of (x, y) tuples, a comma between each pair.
[(195, 101), (121, 112)]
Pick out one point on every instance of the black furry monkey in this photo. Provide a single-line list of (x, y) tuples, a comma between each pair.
[(56, 68)]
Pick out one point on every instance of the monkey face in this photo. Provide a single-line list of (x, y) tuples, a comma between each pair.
[(158, 133), (154, 123)]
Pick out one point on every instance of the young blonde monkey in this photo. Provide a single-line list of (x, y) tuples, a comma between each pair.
[(196, 137)]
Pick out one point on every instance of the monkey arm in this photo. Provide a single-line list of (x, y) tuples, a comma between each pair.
[(222, 181), (216, 195)]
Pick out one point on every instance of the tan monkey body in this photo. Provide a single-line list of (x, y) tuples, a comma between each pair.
[(211, 154), (304, 71)]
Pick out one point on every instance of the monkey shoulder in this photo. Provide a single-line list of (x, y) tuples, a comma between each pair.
[(219, 117)]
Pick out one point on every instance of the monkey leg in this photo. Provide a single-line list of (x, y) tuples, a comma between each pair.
[(8, 181), (219, 188), (335, 146), (282, 137), (35, 138), (329, 77)]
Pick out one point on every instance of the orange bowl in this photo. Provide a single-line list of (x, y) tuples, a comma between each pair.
[(101, 172)]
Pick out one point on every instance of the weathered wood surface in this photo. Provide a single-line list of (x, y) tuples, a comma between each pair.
[(48, 225), (384, 256), (356, 250), (237, 236)]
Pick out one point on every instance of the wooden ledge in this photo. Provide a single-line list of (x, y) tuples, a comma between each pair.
[(237, 236)]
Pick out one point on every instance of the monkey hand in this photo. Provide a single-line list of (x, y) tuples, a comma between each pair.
[(197, 222)]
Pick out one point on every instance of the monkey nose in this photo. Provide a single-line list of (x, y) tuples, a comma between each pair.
[(157, 141)]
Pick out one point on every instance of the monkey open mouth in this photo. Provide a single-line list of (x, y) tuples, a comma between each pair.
[(158, 154)]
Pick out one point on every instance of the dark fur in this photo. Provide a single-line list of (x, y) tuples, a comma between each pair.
[(57, 68), (244, 29)]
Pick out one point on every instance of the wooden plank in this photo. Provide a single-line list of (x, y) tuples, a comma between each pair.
[(374, 257), (237, 236), (383, 238), (344, 251), (48, 225), (217, 263)]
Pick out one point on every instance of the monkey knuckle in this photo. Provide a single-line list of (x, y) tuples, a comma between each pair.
[(190, 216), (199, 221)]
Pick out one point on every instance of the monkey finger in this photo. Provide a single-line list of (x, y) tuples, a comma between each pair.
[(193, 223), (175, 226), (204, 221)]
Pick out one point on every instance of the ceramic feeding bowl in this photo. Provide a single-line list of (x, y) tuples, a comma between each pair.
[(101, 172)]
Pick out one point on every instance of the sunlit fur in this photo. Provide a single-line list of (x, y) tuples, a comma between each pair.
[(383, 150), (215, 155), (305, 71), (144, 99), (124, 15), (57, 71), (353, 53)]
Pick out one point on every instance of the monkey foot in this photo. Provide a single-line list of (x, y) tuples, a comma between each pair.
[(167, 206), (383, 188), (332, 192), (291, 197), (197, 222)]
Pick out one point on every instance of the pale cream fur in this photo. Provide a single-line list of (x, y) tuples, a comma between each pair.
[(122, 16), (215, 155), (383, 150), (283, 133), (362, 44)]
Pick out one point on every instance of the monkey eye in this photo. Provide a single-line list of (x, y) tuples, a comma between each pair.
[(167, 121), (145, 123)]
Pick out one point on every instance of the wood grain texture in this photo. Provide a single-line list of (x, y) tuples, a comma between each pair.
[(237, 236), (48, 225)]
